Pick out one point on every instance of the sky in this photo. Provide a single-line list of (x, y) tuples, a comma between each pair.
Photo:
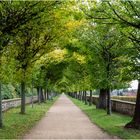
[(134, 84)]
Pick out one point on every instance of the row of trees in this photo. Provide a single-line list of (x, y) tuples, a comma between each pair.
[(121, 49), (71, 46), (29, 40), (109, 41)]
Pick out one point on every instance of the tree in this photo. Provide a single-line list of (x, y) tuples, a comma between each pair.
[(124, 15), (103, 48), (13, 15), (18, 19)]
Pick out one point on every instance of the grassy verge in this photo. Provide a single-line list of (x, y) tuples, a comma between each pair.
[(16, 125), (113, 124)]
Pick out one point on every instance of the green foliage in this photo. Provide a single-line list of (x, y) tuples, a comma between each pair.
[(124, 16), (8, 92), (69, 46), (96, 37)]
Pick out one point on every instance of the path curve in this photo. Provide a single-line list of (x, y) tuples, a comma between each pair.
[(65, 120)]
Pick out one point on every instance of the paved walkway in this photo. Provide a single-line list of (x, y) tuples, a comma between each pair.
[(65, 120)]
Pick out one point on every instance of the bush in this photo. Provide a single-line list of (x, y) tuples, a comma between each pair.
[(7, 91), (10, 91)]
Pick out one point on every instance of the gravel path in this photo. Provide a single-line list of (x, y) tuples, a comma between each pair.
[(65, 120)]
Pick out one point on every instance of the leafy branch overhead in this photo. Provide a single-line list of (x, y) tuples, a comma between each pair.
[(70, 46)]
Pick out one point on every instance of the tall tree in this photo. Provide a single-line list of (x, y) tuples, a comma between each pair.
[(124, 15), (13, 15)]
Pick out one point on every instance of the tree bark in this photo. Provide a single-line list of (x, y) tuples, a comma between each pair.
[(102, 99), (79, 95), (32, 98), (90, 98), (47, 94), (22, 97), (85, 97), (135, 123), (108, 102), (76, 95), (37, 93), (41, 95), (73, 94), (1, 122)]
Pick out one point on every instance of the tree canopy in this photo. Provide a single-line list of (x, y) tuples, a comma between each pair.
[(69, 46)]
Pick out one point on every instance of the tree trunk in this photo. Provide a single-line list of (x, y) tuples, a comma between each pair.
[(135, 123), (1, 122), (108, 102), (73, 95), (47, 94), (51, 95), (85, 97), (22, 97), (108, 88), (76, 95), (41, 95), (102, 99), (90, 98), (37, 93), (79, 95), (32, 98)]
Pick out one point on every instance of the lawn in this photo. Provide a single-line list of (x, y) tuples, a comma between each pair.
[(16, 125), (113, 124)]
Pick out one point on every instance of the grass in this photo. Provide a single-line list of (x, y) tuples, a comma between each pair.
[(16, 125), (113, 124)]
